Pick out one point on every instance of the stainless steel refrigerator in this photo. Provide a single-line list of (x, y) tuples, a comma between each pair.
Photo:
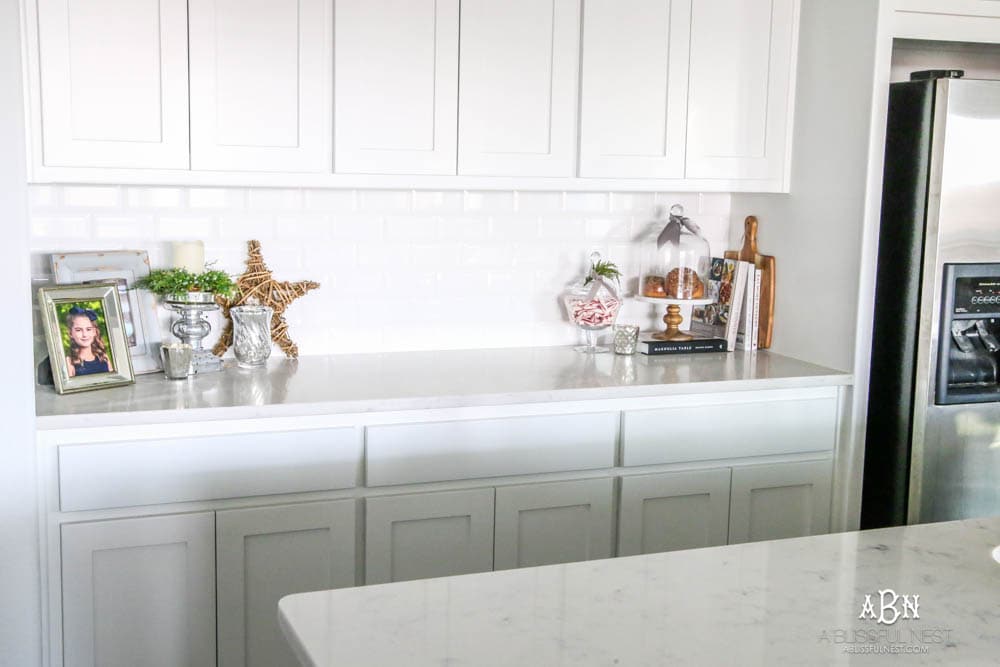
[(932, 451)]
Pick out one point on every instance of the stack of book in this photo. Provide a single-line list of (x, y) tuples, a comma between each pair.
[(730, 322)]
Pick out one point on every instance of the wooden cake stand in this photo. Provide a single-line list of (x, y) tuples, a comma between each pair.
[(673, 317)]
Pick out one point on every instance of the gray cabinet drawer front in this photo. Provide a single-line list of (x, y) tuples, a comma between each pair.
[(759, 424), (151, 472), (440, 451)]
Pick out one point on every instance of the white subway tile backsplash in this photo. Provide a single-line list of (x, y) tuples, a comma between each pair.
[(407, 228), (540, 202), (587, 201), (247, 226), (135, 227), (514, 228), (43, 196), (89, 196), (59, 228), (185, 228), (331, 201), (491, 202), (145, 197), (464, 229), (223, 198), (399, 269), (275, 199), (385, 201), (639, 203), (438, 202)]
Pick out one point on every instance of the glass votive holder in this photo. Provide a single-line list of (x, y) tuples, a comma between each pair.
[(625, 337)]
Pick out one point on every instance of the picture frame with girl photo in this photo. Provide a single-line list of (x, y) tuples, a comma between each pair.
[(86, 337)]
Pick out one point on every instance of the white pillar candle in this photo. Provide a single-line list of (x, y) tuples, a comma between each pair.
[(189, 255)]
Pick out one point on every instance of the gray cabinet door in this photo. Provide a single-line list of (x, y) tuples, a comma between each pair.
[(770, 502), (139, 592), (670, 511), (557, 522), (266, 553), (421, 535)]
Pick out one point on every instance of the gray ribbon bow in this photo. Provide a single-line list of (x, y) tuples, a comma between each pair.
[(672, 232)]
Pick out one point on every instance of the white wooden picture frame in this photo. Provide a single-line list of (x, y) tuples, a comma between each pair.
[(142, 327)]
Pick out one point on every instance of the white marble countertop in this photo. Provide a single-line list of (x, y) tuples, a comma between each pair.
[(786, 602), (342, 384)]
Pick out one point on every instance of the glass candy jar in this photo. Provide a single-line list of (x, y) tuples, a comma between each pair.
[(593, 303), (675, 260)]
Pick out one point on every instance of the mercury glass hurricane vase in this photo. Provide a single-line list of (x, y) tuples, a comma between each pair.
[(251, 335)]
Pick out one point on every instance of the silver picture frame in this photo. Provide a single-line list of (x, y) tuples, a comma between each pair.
[(104, 361), (142, 327)]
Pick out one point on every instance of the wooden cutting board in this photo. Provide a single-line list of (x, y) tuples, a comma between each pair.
[(749, 253)]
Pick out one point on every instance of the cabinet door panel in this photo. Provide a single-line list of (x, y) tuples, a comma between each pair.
[(740, 86), (114, 83), (416, 536), (396, 86), (266, 553), (634, 88), (561, 522), (771, 502), (518, 100), (261, 85), (684, 510), (139, 592)]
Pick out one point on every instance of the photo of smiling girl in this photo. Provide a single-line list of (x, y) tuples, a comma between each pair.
[(86, 351)]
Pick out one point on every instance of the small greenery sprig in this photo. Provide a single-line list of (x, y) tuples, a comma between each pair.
[(178, 281), (604, 269)]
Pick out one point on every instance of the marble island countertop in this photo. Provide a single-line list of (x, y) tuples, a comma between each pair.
[(786, 602), (340, 384)]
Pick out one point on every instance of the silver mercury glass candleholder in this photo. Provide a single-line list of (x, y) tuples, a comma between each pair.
[(192, 327)]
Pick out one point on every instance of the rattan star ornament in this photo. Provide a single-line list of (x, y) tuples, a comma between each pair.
[(257, 285)]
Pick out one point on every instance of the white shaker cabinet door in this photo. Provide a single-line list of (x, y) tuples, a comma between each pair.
[(671, 511), (139, 592), (634, 88), (114, 83), (557, 522), (396, 86), (417, 536), (771, 502), (741, 88), (266, 553), (517, 105), (261, 85)]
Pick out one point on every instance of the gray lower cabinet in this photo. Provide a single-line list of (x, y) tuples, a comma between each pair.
[(555, 522), (420, 535), (266, 553), (139, 592), (779, 500), (670, 511)]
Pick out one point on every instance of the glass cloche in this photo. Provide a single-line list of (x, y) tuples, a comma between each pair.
[(675, 261)]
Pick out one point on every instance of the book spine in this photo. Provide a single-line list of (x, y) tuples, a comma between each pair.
[(735, 308), (676, 347), (755, 329), (744, 337)]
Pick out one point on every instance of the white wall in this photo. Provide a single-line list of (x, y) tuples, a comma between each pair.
[(20, 633), (400, 270)]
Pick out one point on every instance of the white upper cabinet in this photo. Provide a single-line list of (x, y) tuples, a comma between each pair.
[(396, 86), (114, 83), (742, 63), (517, 105), (633, 97), (261, 85)]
